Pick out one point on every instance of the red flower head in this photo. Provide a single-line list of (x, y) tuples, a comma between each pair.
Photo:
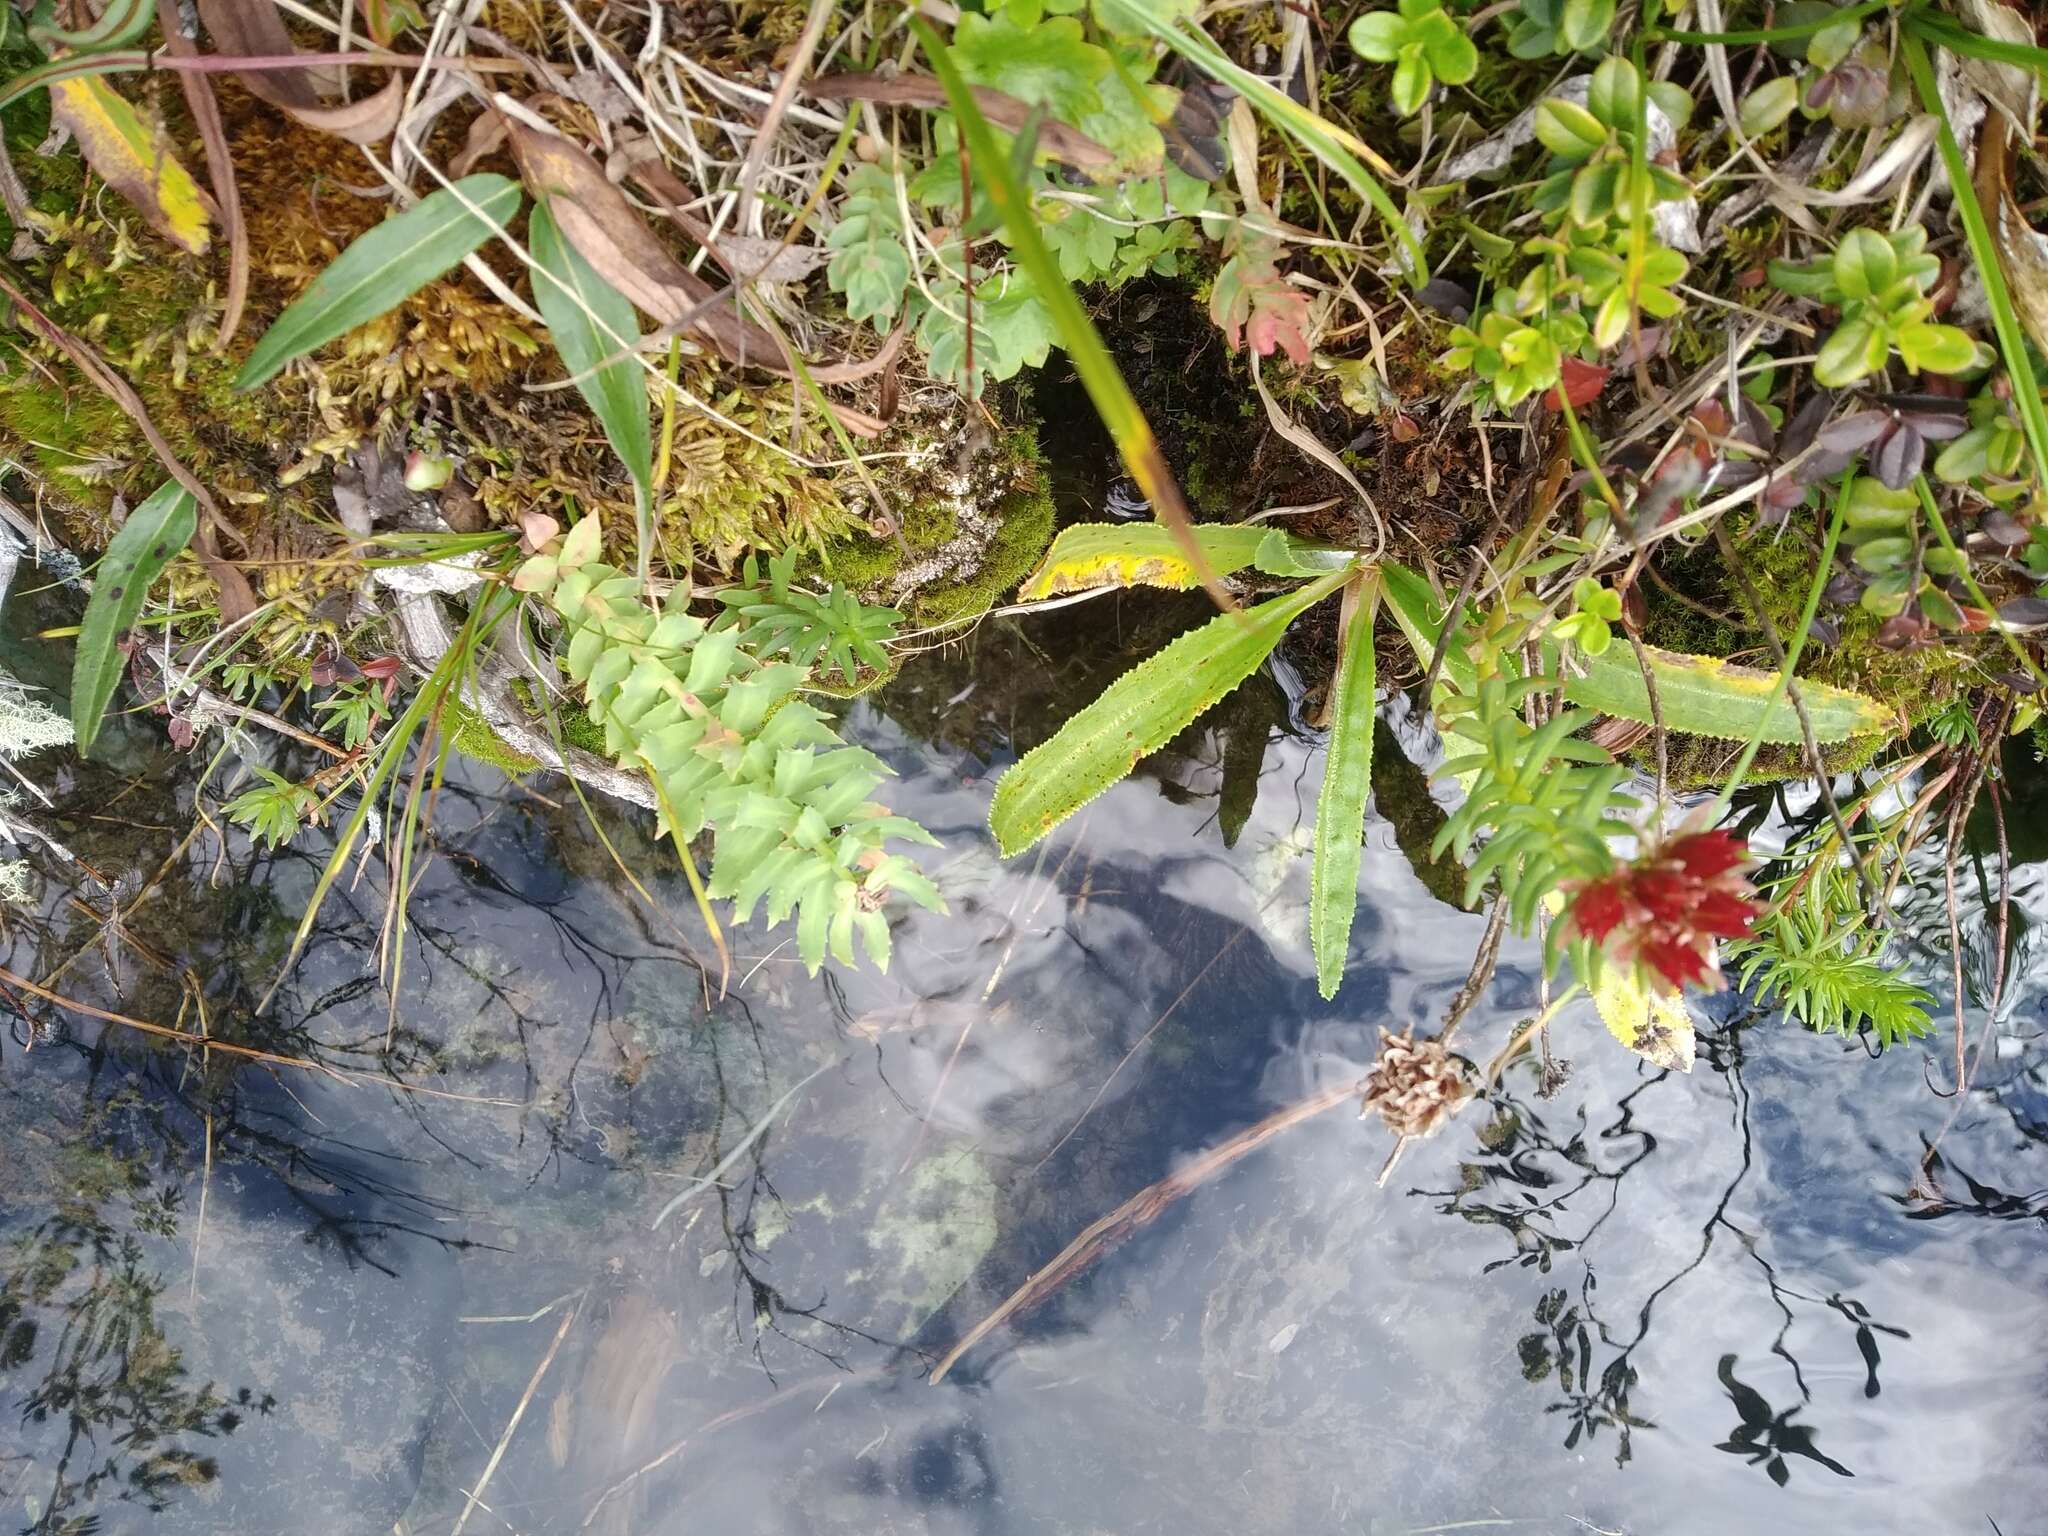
[(1667, 911)]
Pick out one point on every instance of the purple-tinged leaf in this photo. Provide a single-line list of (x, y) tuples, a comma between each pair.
[(2023, 613), (1853, 432), (1804, 426), (2023, 683), (1446, 297), (2001, 527), (1843, 588), (1937, 426), (1903, 631), (1900, 453)]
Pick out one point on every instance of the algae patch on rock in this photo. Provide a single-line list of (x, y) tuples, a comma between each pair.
[(931, 1231)]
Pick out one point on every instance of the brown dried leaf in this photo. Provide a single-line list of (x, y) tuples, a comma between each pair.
[(360, 122), (2022, 251), (999, 107), (595, 217), (253, 29)]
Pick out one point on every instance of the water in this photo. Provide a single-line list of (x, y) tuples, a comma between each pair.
[(238, 1300)]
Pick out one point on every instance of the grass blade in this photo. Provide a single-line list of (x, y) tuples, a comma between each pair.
[(384, 268), (1139, 713), (1347, 780), (154, 533), (1344, 153), (1112, 397)]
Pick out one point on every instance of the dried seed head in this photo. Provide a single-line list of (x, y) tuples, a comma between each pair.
[(1416, 1085)]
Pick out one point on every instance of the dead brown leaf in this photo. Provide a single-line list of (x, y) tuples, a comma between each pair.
[(1007, 112), (745, 258), (253, 29), (595, 217), (2022, 251), (360, 122)]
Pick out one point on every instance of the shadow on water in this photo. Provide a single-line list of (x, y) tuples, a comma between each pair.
[(426, 1295)]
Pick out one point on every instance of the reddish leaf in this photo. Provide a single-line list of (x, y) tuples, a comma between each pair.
[(1253, 305), (1579, 384)]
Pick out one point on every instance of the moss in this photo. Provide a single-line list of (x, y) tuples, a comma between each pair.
[(981, 538), (472, 736), (577, 728)]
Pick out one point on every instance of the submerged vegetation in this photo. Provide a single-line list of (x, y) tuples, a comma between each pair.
[(1654, 392)]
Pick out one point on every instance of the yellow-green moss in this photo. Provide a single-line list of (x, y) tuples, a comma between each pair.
[(1011, 475), (471, 735)]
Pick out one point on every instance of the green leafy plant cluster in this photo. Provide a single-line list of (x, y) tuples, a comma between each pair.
[(1598, 269), (836, 632), (1880, 282), (730, 745)]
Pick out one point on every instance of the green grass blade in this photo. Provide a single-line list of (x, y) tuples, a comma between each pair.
[(1342, 152), (2005, 320), (154, 533), (1139, 713), (1112, 397), (383, 268), (594, 329), (1347, 780), (1821, 574), (1782, 34)]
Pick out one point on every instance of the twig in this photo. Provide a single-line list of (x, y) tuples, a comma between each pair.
[(778, 105), (248, 1053), (1140, 1211), (518, 1413)]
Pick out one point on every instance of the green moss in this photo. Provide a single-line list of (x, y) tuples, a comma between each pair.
[(1025, 522), (577, 728), (1011, 474), (471, 735)]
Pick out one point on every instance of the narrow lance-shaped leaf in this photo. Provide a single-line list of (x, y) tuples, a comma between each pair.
[(1139, 713), (154, 533), (1698, 695), (1705, 696), (385, 267), (1088, 555), (594, 327), (1347, 780)]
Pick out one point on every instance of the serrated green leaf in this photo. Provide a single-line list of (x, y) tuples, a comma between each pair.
[(591, 321), (154, 533), (1139, 713), (1705, 696), (1050, 64), (383, 268), (1347, 780)]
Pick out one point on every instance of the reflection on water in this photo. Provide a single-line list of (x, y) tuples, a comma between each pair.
[(426, 1295)]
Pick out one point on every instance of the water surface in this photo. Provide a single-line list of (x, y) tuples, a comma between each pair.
[(242, 1300)]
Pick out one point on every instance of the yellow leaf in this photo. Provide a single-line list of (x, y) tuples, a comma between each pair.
[(1657, 1026), (133, 158)]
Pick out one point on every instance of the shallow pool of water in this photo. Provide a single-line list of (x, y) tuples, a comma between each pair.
[(425, 1293)]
